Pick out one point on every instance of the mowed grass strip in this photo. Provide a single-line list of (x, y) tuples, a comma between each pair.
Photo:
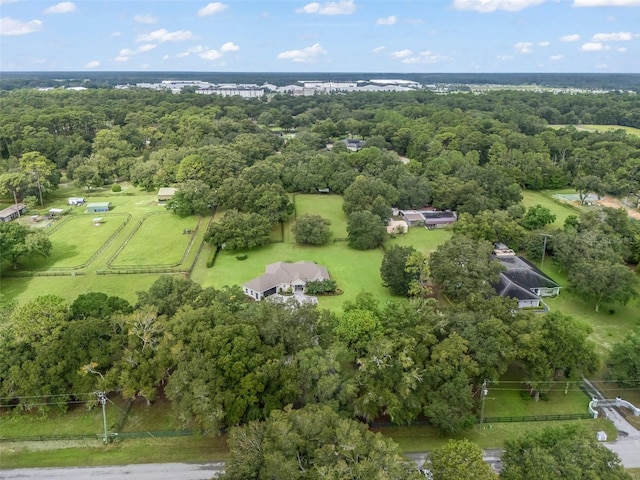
[(327, 206), (160, 240), (529, 199), (76, 241)]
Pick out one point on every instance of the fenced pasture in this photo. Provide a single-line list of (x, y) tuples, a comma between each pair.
[(75, 241), (160, 239)]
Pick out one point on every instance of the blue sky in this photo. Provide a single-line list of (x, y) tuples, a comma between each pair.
[(336, 36)]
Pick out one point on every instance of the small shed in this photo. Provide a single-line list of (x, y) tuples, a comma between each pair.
[(75, 201), (98, 207), (14, 211), (54, 212), (98, 221), (166, 193)]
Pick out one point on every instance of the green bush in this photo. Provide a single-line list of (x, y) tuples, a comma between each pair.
[(241, 257), (212, 257), (116, 188)]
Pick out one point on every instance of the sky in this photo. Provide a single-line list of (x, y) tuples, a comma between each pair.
[(410, 36)]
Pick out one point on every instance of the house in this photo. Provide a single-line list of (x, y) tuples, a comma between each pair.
[(282, 276), (98, 207), (522, 280), (166, 193), (75, 201), (412, 218), (354, 145), (14, 211), (438, 218)]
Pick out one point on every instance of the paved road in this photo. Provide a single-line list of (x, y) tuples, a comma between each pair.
[(628, 450), (149, 471)]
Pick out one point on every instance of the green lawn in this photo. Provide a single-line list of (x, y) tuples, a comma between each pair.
[(601, 128), (422, 239), (157, 418), (159, 241), (327, 206), (509, 398), (76, 240), (93, 453), (530, 198)]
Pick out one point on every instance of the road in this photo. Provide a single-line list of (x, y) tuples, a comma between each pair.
[(148, 471)]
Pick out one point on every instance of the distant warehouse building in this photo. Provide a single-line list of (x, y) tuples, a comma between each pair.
[(98, 207)]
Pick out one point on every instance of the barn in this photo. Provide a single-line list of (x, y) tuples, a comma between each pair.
[(166, 193), (98, 207), (14, 211)]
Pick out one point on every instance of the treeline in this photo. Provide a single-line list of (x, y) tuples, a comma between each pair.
[(616, 81), (223, 359)]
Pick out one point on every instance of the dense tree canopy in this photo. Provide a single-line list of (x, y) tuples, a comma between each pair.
[(311, 229)]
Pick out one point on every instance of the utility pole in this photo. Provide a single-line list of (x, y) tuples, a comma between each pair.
[(102, 398), (483, 395), (544, 248)]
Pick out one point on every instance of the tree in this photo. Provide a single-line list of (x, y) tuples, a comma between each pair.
[(624, 362), (13, 183), (600, 281), (310, 443), (537, 217), (17, 241), (311, 229), (586, 184), (88, 175), (98, 305), (192, 197), (394, 272), (365, 231), (460, 460), (39, 167), (239, 230), (568, 452), (364, 191), (465, 269)]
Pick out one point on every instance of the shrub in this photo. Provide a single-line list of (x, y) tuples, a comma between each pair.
[(319, 287), (241, 257), (116, 188), (212, 257)]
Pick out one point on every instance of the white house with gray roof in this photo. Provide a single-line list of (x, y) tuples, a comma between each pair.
[(282, 276)]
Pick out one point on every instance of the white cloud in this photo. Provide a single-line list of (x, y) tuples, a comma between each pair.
[(556, 58), (62, 7), (606, 3), (148, 19), (424, 57), (391, 20), (341, 7), (622, 49), (211, 54), (523, 47), (121, 58), (413, 21), (487, 6), (612, 37), (145, 48), (378, 49), (92, 64), (212, 9), (544, 44), (570, 38), (229, 47), (165, 58), (504, 57), (401, 53), (305, 55), (601, 65), (592, 47), (10, 26), (128, 52), (163, 35), (196, 49), (116, 34)]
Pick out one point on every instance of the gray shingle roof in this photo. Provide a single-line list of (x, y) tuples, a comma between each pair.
[(284, 272)]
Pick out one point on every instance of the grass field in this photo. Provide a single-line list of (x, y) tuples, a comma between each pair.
[(77, 240), (160, 240), (601, 128), (354, 271), (529, 199), (509, 398)]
